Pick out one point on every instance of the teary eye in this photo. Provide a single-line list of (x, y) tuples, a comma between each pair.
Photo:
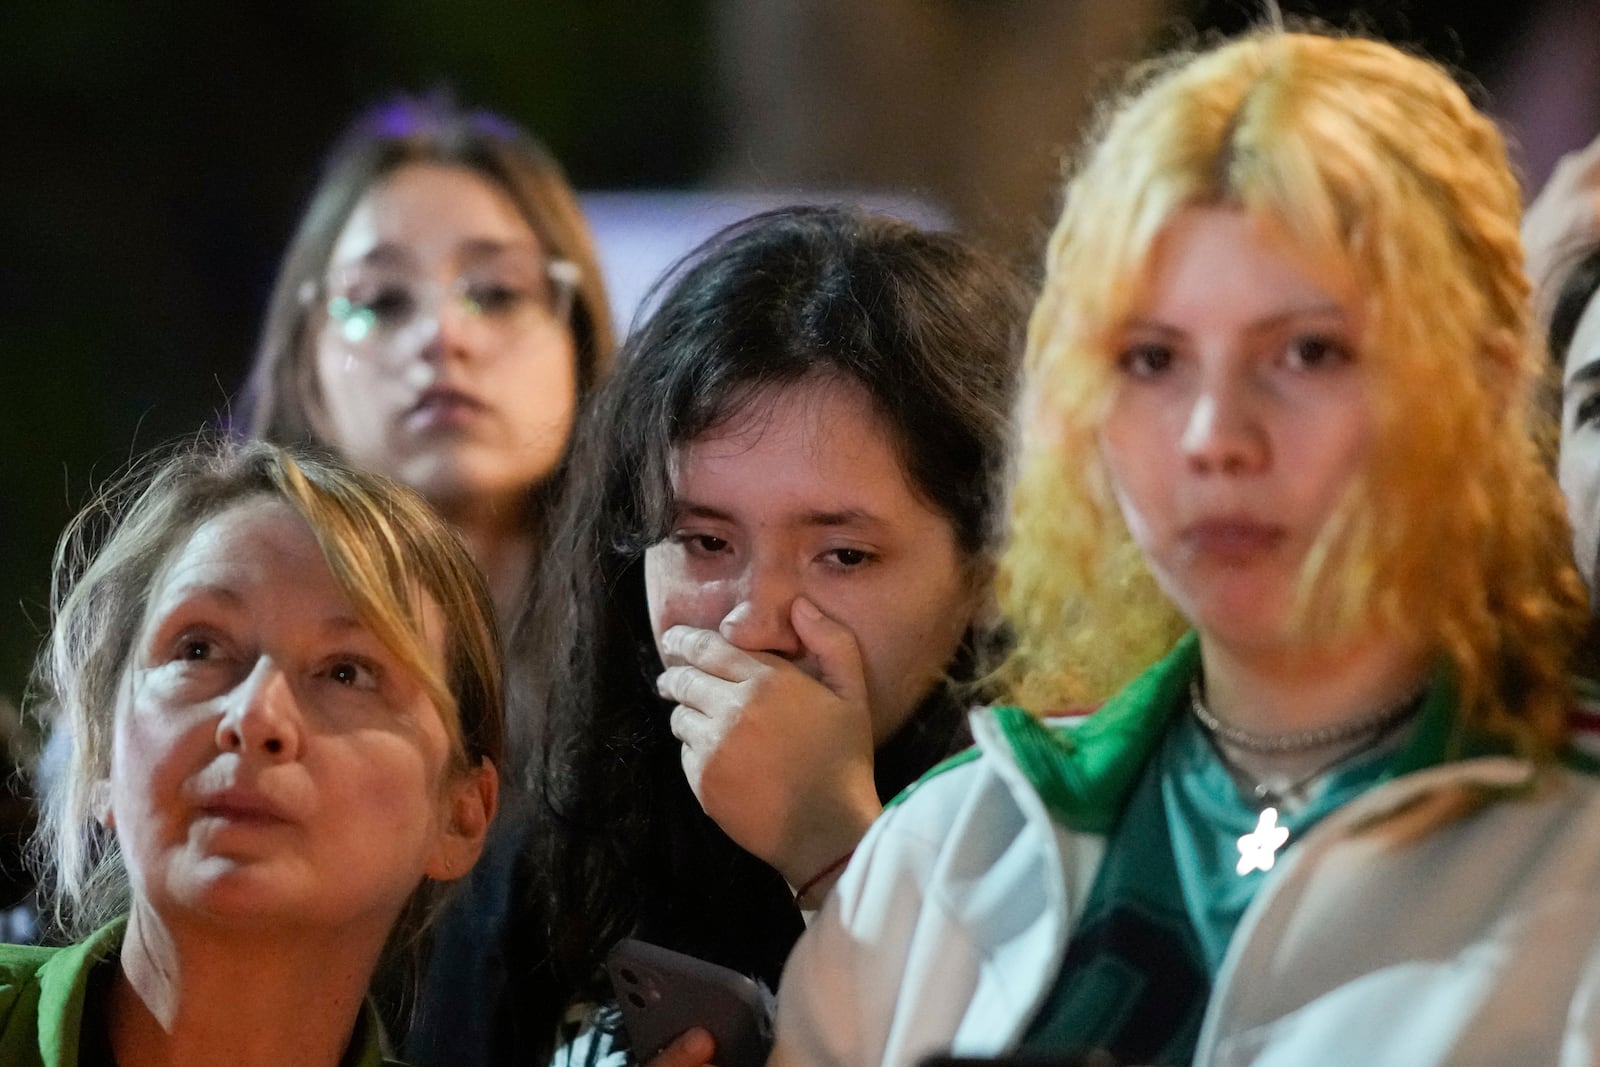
[(701, 544)]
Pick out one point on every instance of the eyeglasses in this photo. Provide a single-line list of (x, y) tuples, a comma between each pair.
[(376, 305)]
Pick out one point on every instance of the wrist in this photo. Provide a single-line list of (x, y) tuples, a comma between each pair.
[(814, 890), (824, 837)]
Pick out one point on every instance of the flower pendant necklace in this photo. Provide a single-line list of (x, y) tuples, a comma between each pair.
[(1258, 849)]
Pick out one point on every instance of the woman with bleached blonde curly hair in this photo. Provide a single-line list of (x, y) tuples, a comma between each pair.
[(1281, 441)]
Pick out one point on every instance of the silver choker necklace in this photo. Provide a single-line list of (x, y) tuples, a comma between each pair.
[(1303, 740)]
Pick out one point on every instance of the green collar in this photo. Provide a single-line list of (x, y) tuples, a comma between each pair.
[(63, 987), (1083, 773), (64, 983)]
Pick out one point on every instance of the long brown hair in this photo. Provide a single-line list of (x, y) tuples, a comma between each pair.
[(400, 131)]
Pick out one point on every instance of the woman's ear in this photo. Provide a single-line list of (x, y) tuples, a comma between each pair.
[(473, 799), (983, 607)]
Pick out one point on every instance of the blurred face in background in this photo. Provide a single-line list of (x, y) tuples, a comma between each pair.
[(443, 357), (1579, 468)]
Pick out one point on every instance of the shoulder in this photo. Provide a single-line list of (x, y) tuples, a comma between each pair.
[(948, 785), (23, 961), (995, 730), (964, 868), (965, 814), (1002, 770)]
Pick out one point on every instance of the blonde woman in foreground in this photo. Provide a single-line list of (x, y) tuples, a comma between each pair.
[(1279, 504), (282, 683)]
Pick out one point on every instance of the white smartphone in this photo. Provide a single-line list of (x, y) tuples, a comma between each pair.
[(663, 993)]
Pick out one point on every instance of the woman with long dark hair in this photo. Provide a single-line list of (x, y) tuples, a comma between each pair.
[(766, 588)]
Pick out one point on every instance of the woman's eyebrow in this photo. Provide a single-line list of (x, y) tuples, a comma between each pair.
[(848, 516), (840, 517), (689, 509), (1272, 321), (382, 254), (1279, 319), (492, 247), (181, 593)]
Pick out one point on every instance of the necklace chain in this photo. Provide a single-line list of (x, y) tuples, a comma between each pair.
[(1278, 796), (1303, 740)]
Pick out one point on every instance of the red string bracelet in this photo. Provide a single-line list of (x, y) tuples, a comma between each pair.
[(811, 883)]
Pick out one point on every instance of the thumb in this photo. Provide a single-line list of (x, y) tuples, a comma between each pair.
[(834, 648)]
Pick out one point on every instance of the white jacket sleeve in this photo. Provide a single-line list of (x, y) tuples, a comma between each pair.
[(939, 936)]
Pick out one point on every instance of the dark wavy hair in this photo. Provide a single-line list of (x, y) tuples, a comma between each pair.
[(930, 330)]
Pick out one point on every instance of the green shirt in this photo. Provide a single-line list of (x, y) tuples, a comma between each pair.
[(1138, 970), (43, 992)]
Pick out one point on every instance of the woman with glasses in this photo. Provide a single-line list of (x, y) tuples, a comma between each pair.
[(439, 317)]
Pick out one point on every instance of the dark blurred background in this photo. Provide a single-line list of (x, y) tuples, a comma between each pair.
[(155, 157)]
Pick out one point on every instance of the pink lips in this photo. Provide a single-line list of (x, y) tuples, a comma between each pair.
[(443, 407), (243, 806), (1232, 540)]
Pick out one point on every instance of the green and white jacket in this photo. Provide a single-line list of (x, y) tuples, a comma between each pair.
[(1448, 915)]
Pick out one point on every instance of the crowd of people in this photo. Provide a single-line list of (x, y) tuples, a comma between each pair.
[(1194, 668)]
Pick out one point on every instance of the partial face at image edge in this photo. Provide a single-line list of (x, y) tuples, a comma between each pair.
[(1579, 465)]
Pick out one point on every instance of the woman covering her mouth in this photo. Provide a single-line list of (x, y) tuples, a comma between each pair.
[(764, 594)]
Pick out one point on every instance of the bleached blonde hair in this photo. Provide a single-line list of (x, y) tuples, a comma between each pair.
[(1374, 163)]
